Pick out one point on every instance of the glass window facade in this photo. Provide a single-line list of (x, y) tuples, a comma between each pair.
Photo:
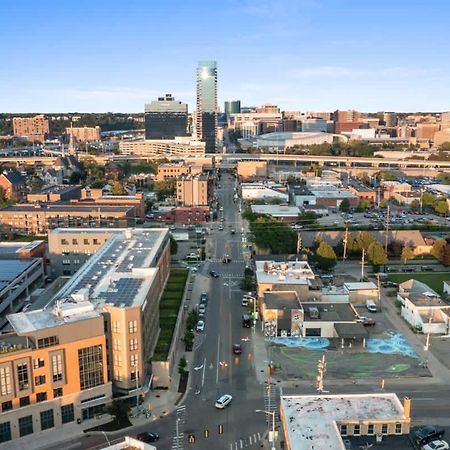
[(57, 367), (5, 431), (47, 419), (5, 381), (67, 413), (22, 376), (90, 363)]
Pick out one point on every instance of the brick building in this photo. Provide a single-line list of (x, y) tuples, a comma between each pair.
[(35, 129)]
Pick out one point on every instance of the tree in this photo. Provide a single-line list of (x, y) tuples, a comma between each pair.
[(415, 204), (173, 246), (444, 147), (35, 184), (120, 410), (75, 178), (164, 188), (345, 205), (441, 207), (443, 177), (270, 233), (326, 256), (117, 188), (363, 205), (407, 253), (307, 218), (376, 254), (364, 239), (395, 247), (437, 250), (429, 199), (182, 366)]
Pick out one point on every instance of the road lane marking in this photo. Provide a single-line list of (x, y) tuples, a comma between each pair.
[(203, 375), (259, 436), (242, 445), (218, 351), (250, 439)]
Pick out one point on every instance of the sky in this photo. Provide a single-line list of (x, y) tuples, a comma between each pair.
[(309, 55)]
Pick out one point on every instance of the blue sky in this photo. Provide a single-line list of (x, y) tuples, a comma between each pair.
[(111, 55)]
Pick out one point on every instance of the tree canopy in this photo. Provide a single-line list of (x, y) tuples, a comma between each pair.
[(376, 254), (325, 255)]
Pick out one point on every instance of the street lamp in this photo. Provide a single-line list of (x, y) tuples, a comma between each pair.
[(106, 437), (178, 437), (273, 424)]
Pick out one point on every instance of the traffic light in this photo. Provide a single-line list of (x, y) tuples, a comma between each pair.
[(220, 428), (206, 434), (191, 438)]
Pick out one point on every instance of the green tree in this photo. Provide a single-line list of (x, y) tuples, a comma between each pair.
[(164, 188), (120, 410), (182, 365), (444, 147), (363, 205), (437, 250), (407, 253), (376, 254), (443, 177), (364, 239), (429, 199), (415, 204), (75, 178), (117, 188), (441, 207), (35, 184), (173, 246), (345, 205), (270, 233), (325, 255), (307, 218)]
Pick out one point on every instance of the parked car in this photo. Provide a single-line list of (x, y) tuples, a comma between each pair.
[(214, 274), (244, 302), (436, 445), (426, 268), (202, 308), (237, 349), (203, 298), (148, 436), (367, 321), (425, 434), (226, 259), (371, 306), (200, 325), (224, 401), (233, 231)]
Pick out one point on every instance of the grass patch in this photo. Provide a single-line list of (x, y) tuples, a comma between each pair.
[(168, 311), (433, 280)]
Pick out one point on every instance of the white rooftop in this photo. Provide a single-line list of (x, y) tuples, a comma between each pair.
[(291, 272), (276, 210), (310, 420), (361, 286)]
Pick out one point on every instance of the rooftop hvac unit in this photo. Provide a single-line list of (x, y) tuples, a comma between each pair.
[(314, 312)]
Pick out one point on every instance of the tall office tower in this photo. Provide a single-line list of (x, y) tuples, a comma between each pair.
[(232, 107), (390, 119), (165, 118), (206, 116)]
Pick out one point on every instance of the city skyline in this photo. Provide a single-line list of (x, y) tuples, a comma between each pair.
[(304, 54)]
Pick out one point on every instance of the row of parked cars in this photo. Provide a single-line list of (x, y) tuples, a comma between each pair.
[(201, 309)]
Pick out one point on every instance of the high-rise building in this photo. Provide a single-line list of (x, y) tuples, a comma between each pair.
[(389, 119), (35, 129), (193, 190), (206, 115), (84, 134), (232, 107), (165, 118)]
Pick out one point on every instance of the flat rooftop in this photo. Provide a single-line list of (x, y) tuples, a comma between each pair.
[(281, 300), (12, 248), (290, 272), (119, 274), (330, 312), (10, 269), (58, 189), (276, 210), (361, 286), (65, 207), (310, 420)]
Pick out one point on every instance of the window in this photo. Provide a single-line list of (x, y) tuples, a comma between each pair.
[(133, 344), (47, 420), (384, 428), (58, 392), (118, 377), (57, 367), (133, 360), (86, 241), (48, 342), (398, 428), (5, 431), (39, 362), (41, 397), (116, 344), (67, 413), (38, 380), (343, 430), (132, 326), (90, 363), (95, 241), (356, 429), (370, 428), (117, 360), (66, 262), (24, 401), (74, 241), (7, 406), (5, 381), (64, 242), (25, 425), (22, 376), (115, 326)]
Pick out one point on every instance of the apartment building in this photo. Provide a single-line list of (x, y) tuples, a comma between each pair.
[(38, 219), (174, 170), (13, 184), (124, 279), (56, 193), (251, 169), (84, 134), (53, 369), (193, 190), (35, 129)]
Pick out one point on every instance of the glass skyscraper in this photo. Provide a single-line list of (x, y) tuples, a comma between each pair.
[(206, 114), (165, 118)]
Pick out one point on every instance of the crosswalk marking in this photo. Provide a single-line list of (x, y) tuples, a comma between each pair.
[(246, 442)]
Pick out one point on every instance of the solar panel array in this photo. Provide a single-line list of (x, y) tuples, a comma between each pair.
[(123, 292)]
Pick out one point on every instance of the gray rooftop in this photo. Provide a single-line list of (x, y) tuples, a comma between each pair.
[(65, 207), (330, 312), (10, 269), (281, 300)]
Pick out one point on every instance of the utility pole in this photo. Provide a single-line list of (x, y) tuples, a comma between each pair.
[(362, 263), (322, 368), (379, 291), (379, 197), (299, 243), (344, 256), (386, 237)]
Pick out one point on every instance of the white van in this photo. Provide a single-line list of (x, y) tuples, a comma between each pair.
[(371, 306)]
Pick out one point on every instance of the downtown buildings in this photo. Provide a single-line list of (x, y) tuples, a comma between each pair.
[(97, 335)]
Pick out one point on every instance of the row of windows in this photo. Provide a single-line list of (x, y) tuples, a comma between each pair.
[(117, 344), (47, 421), (118, 360), (370, 429), (132, 326), (25, 401), (85, 242)]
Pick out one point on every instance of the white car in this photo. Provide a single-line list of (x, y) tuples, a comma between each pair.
[(224, 401), (244, 302), (436, 445), (200, 325)]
